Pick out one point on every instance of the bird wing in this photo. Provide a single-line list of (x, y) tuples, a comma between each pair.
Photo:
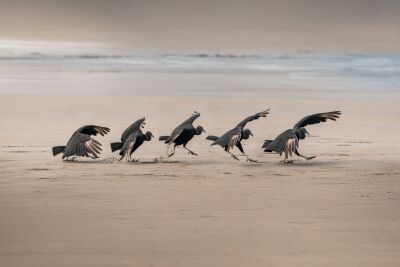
[(129, 143), (187, 124), (285, 140), (253, 117), (229, 139), (82, 145), (93, 130), (317, 118), (132, 128)]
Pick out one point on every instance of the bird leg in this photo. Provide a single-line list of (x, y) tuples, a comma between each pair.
[(286, 160), (190, 151), (307, 158)]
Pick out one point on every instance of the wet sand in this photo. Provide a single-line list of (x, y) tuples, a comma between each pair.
[(340, 209)]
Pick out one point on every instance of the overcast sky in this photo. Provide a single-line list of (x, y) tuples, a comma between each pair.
[(222, 26)]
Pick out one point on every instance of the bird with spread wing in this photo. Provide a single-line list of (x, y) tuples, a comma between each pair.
[(131, 139), (288, 141), (182, 134), (234, 136), (82, 144)]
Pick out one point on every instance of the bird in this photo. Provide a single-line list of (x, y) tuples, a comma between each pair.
[(234, 136), (182, 134), (131, 139), (82, 144), (288, 141)]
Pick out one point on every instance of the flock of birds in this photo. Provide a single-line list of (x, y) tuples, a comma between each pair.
[(82, 144)]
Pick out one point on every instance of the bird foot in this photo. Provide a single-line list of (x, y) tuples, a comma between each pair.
[(251, 160), (192, 153), (310, 158), (234, 157), (286, 161), (170, 155)]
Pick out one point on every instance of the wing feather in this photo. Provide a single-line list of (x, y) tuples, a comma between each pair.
[(229, 139), (280, 142), (132, 128), (82, 145), (93, 130), (253, 117), (317, 118), (128, 145)]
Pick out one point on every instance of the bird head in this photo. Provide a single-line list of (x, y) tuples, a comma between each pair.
[(247, 133), (149, 135), (302, 133), (199, 130)]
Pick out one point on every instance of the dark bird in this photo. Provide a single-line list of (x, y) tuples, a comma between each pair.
[(131, 139), (288, 141), (81, 143), (234, 136), (183, 134)]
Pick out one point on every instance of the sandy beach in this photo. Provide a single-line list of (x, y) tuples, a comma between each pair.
[(340, 209), (66, 64)]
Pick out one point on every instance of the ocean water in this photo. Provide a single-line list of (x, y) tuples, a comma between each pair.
[(35, 73)]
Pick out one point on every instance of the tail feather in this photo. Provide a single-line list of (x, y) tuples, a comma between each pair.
[(163, 138), (212, 137), (116, 146), (265, 145), (57, 150)]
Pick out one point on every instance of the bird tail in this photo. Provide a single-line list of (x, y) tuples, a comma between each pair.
[(58, 149), (212, 137), (116, 146), (163, 138), (265, 145)]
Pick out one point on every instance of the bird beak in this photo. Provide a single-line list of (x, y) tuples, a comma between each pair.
[(307, 133), (204, 131), (151, 135)]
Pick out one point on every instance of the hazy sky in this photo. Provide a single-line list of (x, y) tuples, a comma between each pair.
[(223, 26)]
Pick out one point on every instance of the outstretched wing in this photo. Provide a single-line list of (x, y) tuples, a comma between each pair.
[(132, 128), (187, 124), (82, 145), (128, 145), (286, 141), (93, 130), (254, 117), (317, 118), (229, 139)]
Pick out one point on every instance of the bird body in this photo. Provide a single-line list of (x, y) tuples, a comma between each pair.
[(233, 137), (131, 139), (81, 143), (288, 141), (182, 134), (186, 135)]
